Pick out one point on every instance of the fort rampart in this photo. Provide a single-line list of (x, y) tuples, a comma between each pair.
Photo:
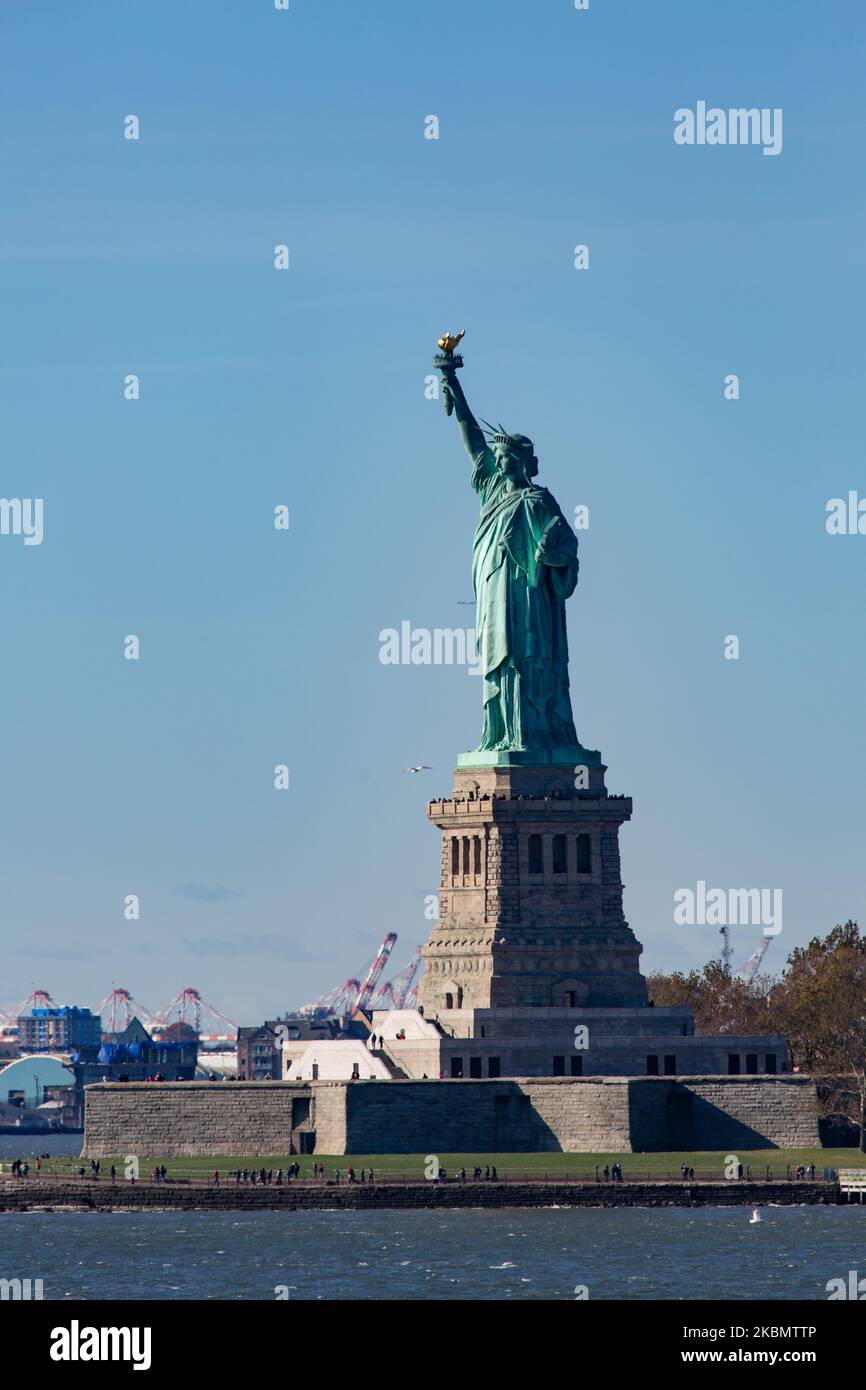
[(568, 1114)]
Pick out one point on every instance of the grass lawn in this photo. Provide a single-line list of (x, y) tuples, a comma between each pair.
[(707, 1165)]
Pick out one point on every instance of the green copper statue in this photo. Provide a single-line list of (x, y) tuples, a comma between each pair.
[(524, 567)]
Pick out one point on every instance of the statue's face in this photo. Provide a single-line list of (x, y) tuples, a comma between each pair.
[(510, 463)]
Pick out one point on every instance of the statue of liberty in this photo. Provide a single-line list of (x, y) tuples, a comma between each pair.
[(524, 567)]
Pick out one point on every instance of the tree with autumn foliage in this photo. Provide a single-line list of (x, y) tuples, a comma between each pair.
[(819, 1004), (720, 1001), (821, 1007)]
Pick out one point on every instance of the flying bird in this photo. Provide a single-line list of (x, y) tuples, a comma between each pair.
[(422, 767)]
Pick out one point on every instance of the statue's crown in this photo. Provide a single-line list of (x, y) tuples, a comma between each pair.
[(519, 442), (500, 435)]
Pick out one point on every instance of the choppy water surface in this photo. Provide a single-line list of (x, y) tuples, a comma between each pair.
[(673, 1253)]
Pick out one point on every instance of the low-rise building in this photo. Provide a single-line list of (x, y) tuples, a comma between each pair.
[(58, 1029), (337, 1059), (134, 1055), (262, 1050), (476, 1044), (258, 1055), (216, 1065)]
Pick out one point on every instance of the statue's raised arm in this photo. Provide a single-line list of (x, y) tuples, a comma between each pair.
[(470, 431), (453, 395)]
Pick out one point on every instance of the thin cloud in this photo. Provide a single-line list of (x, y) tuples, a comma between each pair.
[(367, 938), (52, 953), (200, 893), (264, 944)]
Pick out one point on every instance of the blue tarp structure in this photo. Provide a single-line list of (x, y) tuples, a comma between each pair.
[(119, 1052), (133, 1052)]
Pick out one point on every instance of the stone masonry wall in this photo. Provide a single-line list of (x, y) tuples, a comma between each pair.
[(32, 1195), (723, 1112), (570, 1114), (726, 1111), (488, 1117), (174, 1120), (329, 1114)]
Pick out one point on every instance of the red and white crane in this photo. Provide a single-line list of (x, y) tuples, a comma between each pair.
[(119, 1008), (749, 969), (380, 960), (357, 991), (394, 993), (37, 999), (189, 1007)]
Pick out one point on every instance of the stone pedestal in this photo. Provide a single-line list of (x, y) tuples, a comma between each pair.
[(530, 891)]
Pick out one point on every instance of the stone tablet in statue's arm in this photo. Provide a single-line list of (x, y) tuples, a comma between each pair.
[(557, 551)]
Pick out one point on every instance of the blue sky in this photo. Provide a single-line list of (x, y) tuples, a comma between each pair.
[(306, 387)]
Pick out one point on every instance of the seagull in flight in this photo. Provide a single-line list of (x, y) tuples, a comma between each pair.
[(422, 767)]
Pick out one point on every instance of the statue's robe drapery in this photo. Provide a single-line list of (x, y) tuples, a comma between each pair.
[(524, 567)]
